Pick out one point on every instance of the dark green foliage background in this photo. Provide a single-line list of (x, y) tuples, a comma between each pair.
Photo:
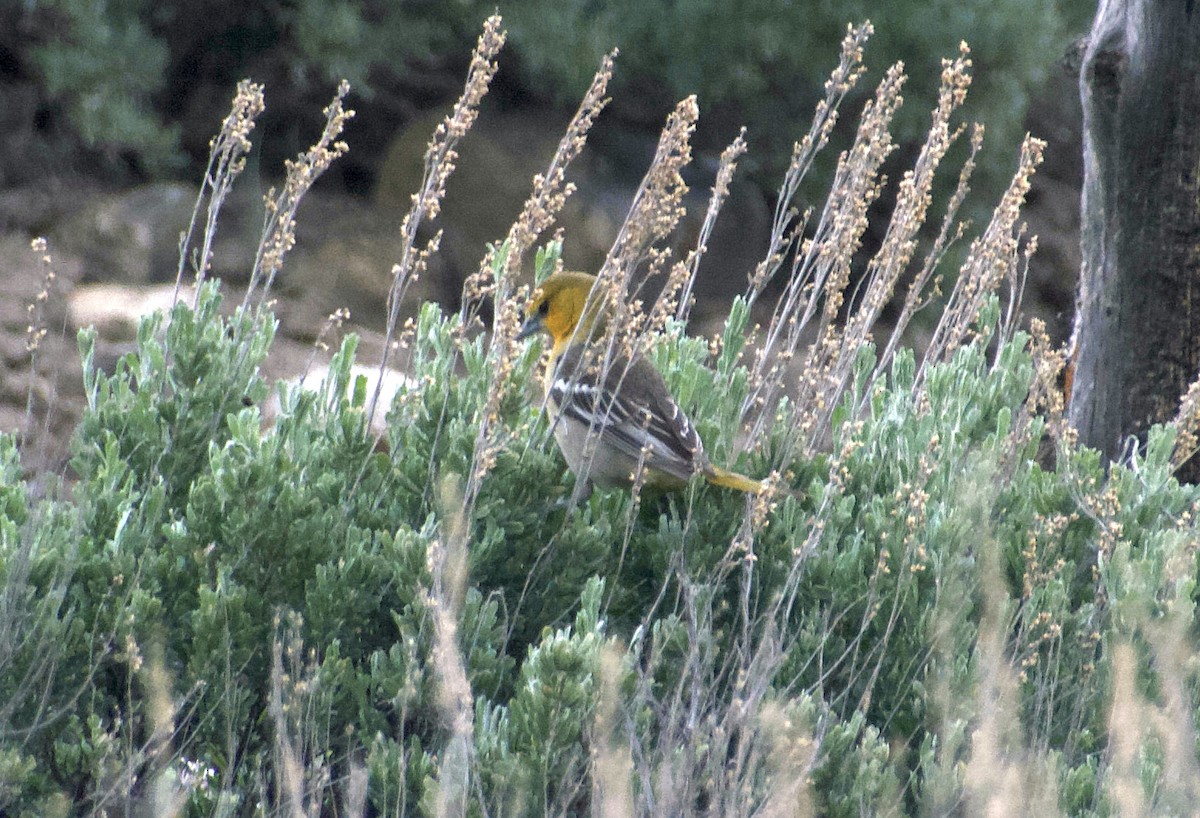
[(123, 75)]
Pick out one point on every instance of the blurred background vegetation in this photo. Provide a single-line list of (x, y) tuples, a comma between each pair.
[(133, 88)]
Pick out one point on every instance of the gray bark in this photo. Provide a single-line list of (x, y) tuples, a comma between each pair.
[(1137, 323)]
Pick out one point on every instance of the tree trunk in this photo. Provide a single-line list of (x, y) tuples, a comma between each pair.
[(1137, 322)]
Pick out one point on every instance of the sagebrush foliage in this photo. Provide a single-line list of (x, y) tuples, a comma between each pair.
[(196, 539), (942, 605)]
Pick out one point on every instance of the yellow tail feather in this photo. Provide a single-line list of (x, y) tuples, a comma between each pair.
[(732, 480)]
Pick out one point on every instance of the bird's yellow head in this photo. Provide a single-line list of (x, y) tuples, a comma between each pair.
[(560, 305)]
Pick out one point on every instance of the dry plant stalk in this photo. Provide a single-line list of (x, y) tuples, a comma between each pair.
[(1187, 426), (447, 557), (289, 765), (838, 347), (912, 205), (1174, 720), (654, 213), (1126, 731), (35, 329), (1046, 398), (168, 798), (42, 387), (820, 274), (671, 782), (302, 779), (911, 504), (539, 213), (820, 265), (546, 200), (992, 259), (791, 755), (440, 158), (736, 734), (279, 224), (926, 285), (226, 161), (687, 269), (994, 780), (279, 227), (610, 761), (1153, 727), (788, 226)]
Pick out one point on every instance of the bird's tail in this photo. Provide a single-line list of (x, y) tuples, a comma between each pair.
[(732, 480)]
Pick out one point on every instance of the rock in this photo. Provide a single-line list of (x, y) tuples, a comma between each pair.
[(133, 237), (344, 254), (314, 380), (34, 209), (115, 310)]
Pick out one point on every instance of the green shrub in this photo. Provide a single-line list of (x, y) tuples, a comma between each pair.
[(195, 539)]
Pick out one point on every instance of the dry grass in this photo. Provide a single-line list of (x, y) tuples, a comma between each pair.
[(440, 157), (279, 228), (227, 160)]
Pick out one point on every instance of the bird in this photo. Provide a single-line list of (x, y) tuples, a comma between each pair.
[(613, 413)]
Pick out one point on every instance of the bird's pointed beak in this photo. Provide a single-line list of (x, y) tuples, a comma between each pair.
[(532, 325)]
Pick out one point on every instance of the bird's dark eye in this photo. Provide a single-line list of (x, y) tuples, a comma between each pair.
[(543, 308)]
